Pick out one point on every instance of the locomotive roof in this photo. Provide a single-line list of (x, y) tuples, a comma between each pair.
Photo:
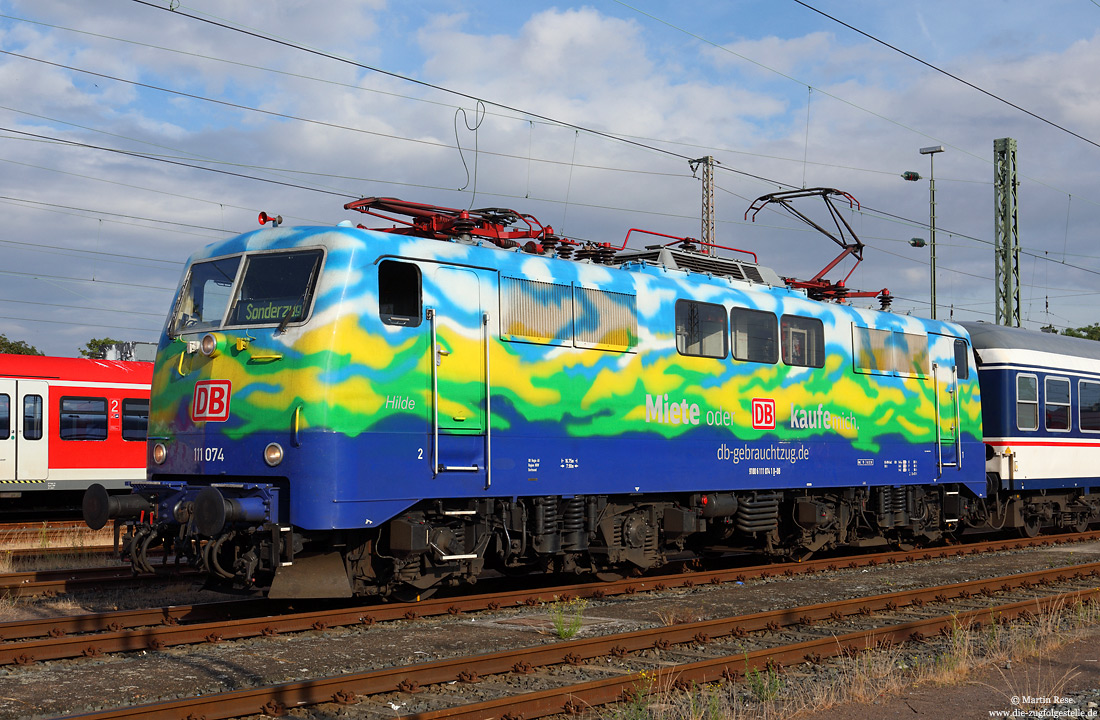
[(986, 336)]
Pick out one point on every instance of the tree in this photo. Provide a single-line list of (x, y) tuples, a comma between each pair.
[(97, 348), (17, 347), (1089, 332)]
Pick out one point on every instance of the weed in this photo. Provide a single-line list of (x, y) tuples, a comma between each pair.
[(764, 685), (567, 617)]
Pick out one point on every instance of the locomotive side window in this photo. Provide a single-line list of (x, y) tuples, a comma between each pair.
[(5, 417), (1027, 402), (135, 419), (803, 341), (534, 311), (1088, 408), (83, 418), (700, 329), (1056, 403), (399, 293), (911, 354), (962, 359), (32, 417), (276, 288), (886, 352), (755, 335), (205, 295)]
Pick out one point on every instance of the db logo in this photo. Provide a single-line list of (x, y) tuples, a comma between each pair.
[(211, 401), (763, 414)]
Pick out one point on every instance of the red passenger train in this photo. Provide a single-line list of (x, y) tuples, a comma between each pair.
[(66, 423)]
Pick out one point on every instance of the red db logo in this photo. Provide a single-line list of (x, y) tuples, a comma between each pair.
[(211, 401), (763, 414)]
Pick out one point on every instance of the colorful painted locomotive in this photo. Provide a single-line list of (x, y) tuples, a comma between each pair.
[(338, 410), (66, 423)]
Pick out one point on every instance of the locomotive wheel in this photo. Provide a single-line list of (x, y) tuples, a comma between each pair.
[(1082, 524), (1031, 527)]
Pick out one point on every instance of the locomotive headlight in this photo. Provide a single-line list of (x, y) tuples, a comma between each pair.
[(160, 453), (273, 454), (210, 344)]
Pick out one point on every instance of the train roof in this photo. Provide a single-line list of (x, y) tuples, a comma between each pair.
[(986, 336), (40, 367)]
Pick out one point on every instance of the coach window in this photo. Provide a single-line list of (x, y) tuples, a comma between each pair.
[(1027, 402), (32, 417), (5, 417), (755, 335), (700, 329), (1056, 403), (399, 293), (1088, 405), (803, 341), (83, 418), (135, 419)]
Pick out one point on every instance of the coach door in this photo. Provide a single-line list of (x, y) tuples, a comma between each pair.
[(7, 430), (947, 364), (23, 436), (458, 318)]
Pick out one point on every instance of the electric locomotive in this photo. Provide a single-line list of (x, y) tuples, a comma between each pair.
[(341, 410)]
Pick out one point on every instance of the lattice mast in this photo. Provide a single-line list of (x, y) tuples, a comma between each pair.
[(1006, 227), (707, 213)]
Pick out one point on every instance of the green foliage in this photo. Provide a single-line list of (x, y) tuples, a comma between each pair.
[(97, 348), (764, 685), (1089, 332), (567, 617), (17, 347)]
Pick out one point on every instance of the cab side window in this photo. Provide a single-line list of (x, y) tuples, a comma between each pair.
[(399, 293)]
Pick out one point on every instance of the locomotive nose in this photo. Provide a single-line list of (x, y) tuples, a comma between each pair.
[(99, 507)]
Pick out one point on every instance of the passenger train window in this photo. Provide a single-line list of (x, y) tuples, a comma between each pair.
[(205, 295), (5, 417), (83, 418), (135, 419), (803, 341), (1027, 402), (276, 288), (700, 329), (1056, 403), (32, 417), (399, 293), (962, 359), (755, 335), (1088, 405)]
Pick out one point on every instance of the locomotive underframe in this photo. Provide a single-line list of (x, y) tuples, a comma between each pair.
[(449, 542)]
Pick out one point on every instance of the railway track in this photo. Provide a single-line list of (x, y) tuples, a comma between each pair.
[(37, 583), (43, 639), (52, 582), (573, 675)]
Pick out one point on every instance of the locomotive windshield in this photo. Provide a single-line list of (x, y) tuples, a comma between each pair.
[(276, 288), (206, 295)]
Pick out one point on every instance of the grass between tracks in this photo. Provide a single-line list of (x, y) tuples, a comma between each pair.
[(769, 694)]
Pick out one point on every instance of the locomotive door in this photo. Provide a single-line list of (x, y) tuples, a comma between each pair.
[(8, 402), (458, 323), (947, 365)]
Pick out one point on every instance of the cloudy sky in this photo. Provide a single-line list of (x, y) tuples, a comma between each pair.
[(133, 132)]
